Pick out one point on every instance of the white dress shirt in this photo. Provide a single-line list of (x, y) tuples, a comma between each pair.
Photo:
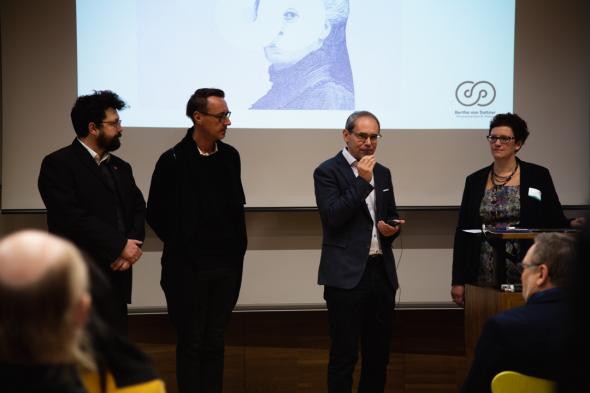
[(370, 201)]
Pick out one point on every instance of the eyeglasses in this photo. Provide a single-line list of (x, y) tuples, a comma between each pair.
[(363, 136), (503, 139), (113, 123), (221, 117), (524, 265)]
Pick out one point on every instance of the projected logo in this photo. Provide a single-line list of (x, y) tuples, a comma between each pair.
[(470, 93)]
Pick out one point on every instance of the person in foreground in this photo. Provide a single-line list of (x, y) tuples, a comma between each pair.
[(44, 305), (355, 198), (92, 200), (529, 339), (576, 363), (509, 192), (196, 207), (51, 339), (120, 365)]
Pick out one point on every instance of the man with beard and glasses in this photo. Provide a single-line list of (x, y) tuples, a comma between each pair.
[(91, 198)]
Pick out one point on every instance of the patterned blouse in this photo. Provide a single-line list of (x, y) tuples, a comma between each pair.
[(500, 207)]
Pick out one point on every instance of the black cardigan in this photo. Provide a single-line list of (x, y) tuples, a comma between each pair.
[(546, 213), (172, 209)]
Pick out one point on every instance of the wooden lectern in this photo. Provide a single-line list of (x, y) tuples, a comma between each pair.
[(480, 304)]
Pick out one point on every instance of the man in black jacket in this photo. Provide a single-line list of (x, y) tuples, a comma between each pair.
[(92, 199), (196, 207), (529, 339)]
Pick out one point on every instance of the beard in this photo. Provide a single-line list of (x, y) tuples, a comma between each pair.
[(107, 144)]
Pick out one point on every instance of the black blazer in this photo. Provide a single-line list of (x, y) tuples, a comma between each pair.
[(347, 224), (526, 339), (81, 207), (534, 213)]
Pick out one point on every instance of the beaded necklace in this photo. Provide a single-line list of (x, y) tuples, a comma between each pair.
[(499, 181)]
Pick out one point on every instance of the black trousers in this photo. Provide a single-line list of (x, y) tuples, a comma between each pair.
[(117, 317), (108, 299), (363, 314), (201, 311)]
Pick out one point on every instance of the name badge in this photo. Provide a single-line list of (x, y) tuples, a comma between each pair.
[(534, 193)]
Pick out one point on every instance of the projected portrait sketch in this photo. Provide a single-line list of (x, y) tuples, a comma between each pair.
[(306, 48)]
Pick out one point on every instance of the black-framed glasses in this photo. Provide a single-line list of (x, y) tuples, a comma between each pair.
[(363, 136), (503, 139), (220, 116), (114, 123)]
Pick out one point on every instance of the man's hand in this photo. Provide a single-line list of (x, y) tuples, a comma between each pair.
[(132, 251), (458, 295), (365, 167), (121, 264), (578, 222), (389, 230)]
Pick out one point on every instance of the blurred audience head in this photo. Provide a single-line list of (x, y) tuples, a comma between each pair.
[(547, 263), (44, 300)]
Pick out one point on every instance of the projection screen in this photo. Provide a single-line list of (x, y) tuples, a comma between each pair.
[(434, 72)]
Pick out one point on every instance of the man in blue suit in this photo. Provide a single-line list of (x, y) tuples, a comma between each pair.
[(354, 195), (529, 339)]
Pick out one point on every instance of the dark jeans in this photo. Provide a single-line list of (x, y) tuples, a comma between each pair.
[(362, 314), (201, 314)]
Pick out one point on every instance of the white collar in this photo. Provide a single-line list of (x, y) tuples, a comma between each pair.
[(203, 153), (349, 158), (94, 154)]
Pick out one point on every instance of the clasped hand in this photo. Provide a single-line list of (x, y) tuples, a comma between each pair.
[(130, 254)]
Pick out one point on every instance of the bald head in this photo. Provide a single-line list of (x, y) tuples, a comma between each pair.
[(27, 256), (44, 297)]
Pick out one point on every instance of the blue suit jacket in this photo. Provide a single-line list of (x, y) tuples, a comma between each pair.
[(527, 339), (347, 223)]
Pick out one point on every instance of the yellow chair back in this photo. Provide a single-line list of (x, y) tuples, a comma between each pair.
[(513, 382), (91, 382)]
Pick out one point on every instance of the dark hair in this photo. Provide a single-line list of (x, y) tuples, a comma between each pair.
[(351, 121), (557, 251), (198, 101), (91, 108), (516, 123)]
